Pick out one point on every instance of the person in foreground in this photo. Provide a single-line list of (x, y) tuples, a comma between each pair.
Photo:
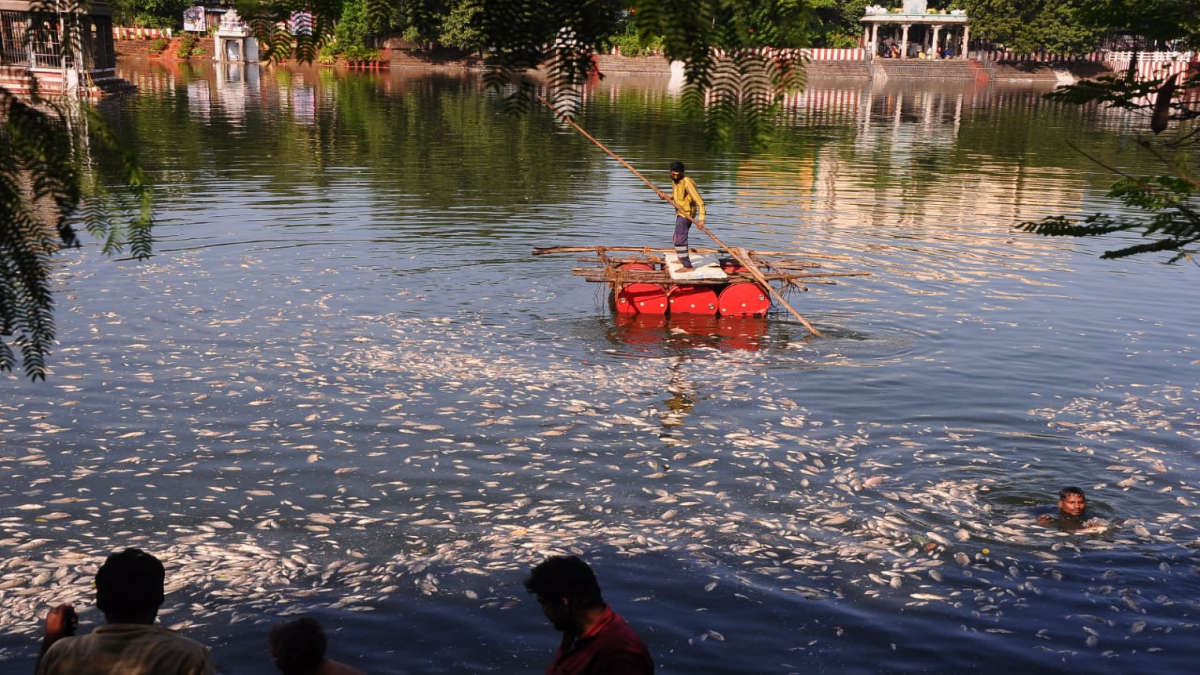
[(298, 648), (1072, 512), (596, 640), (129, 591), (688, 204)]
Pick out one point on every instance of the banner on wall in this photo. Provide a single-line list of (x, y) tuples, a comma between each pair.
[(193, 20)]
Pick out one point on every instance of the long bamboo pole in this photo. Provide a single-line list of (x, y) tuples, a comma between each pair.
[(738, 254), (586, 249)]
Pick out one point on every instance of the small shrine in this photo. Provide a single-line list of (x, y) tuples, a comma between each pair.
[(234, 41), (920, 32)]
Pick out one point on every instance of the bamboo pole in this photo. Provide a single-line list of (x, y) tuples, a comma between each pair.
[(742, 258), (594, 249)]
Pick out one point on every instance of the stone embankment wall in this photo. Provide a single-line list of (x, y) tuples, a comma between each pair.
[(837, 70), (646, 65), (1047, 73), (611, 64), (141, 48)]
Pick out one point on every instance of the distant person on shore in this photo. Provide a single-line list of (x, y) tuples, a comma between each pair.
[(298, 648), (129, 591), (688, 204), (1072, 511), (596, 640)]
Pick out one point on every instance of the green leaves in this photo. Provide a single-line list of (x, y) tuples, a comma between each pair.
[(740, 57), (744, 95), (1055, 26), (521, 35), (1163, 20), (47, 182), (270, 20), (1169, 218), (58, 161), (1165, 207)]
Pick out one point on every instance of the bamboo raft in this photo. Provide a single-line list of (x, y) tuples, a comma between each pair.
[(649, 282), (643, 282)]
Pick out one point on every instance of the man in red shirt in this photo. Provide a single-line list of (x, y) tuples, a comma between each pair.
[(596, 640)]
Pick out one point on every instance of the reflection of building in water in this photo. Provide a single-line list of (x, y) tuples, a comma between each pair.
[(909, 155), (237, 83), (913, 116), (200, 99), (157, 80), (304, 104)]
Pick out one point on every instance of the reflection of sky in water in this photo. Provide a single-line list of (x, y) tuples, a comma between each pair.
[(336, 394)]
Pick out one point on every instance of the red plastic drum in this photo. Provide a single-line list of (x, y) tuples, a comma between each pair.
[(693, 300), (640, 298), (743, 299)]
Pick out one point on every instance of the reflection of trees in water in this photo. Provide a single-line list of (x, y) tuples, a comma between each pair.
[(399, 126)]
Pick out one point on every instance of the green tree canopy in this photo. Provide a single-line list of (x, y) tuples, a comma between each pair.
[(1163, 20), (1033, 25), (150, 13)]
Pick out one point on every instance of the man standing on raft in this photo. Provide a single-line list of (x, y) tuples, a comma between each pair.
[(687, 202)]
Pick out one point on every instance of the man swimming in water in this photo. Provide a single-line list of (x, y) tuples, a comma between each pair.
[(1072, 510)]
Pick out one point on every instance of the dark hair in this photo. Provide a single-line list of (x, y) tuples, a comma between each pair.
[(298, 646), (1070, 490), (566, 577), (129, 583), (677, 166)]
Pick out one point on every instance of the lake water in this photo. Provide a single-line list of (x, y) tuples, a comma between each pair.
[(345, 387)]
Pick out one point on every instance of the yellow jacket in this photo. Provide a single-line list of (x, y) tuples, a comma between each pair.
[(687, 199)]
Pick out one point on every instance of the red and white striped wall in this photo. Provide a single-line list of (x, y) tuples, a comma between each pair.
[(823, 54), (1037, 57), (129, 33), (817, 54), (1152, 65)]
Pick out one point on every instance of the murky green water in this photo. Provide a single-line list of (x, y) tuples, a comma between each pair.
[(344, 386)]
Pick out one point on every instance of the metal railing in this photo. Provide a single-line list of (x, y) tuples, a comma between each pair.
[(13, 29)]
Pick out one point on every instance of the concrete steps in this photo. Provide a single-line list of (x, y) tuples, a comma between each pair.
[(923, 69), (615, 63), (837, 70)]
